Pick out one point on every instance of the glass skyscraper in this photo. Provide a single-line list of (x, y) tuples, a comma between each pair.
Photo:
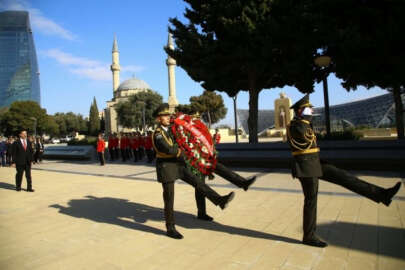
[(19, 75)]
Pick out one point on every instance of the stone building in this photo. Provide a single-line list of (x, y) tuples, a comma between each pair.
[(122, 91)]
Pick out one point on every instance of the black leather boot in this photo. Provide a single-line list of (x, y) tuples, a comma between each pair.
[(226, 199), (249, 182), (314, 241), (387, 194), (173, 233)]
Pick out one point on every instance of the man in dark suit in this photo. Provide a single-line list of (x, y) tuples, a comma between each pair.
[(170, 166), (308, 167), (22, 160)]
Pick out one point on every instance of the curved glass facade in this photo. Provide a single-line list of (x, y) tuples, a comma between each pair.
[(375, 112), (19, 76)]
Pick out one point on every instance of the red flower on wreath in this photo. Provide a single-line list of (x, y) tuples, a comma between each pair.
[(195, 140)]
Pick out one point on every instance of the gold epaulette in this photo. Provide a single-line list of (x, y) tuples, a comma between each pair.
[(305, 121), (309, 137), (168, 140)]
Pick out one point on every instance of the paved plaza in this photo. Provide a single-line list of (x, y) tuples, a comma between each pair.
[(84, 216)]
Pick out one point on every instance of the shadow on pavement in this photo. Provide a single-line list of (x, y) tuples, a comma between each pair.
[(96, 162), (117, 211), (381, 240), (7, 186)]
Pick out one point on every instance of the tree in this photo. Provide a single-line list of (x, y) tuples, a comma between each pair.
[(210, 106), (60, 121), (52, 128), (237, 45), (185, 108), (94, 119), (22, 115), (70, 123), (364, 40), (131, 112)]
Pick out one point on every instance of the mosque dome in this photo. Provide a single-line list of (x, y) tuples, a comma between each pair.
[(133, 84)]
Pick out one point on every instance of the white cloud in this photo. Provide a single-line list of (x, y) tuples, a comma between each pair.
[(38, 21), (84, 67), (68, 59), (131, 68), (98, 73)]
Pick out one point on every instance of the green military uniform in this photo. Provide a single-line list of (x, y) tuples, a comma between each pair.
[(169, 167), (308, 167), (228, 175)]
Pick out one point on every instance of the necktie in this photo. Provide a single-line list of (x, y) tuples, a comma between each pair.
[(25, 145)]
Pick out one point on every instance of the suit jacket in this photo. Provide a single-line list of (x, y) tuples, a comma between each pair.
[(302, 140), (167, 154), (21, 156), (39, 146)]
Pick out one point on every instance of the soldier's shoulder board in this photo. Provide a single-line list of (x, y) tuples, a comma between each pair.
[(157, 133)]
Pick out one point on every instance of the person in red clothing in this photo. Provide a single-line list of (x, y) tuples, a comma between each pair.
[(116, 142), (111, 149), (217, 136), (100, 149), (141, 149), (123, 147), (149, 147), (134, 145), (128, 146)]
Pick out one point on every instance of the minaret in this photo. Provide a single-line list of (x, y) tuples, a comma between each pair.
[(115, 67), (171, 63)]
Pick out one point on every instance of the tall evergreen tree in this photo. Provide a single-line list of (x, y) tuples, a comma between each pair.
[(131, 112), (365, 41), (94, 118), (26, 115), (235, 45), (211, 107)]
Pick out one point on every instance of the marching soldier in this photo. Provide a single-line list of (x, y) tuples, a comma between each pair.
[(225, 173), (308, 167), (170, 166)]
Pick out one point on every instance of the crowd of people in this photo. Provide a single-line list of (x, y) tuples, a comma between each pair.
[(6, 150), (126, 147)]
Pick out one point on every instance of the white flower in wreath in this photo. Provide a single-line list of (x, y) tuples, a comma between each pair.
[(203, 161), (181, 128), (208, 164), (204, 149), (197, 155), (191, 145)]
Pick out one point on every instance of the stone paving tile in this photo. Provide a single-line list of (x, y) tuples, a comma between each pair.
[(83, 216)]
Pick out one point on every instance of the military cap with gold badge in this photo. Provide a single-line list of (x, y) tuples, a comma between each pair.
[(303, 102), (163, 109)]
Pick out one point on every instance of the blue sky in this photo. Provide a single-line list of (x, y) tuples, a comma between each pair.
[(73, 39)]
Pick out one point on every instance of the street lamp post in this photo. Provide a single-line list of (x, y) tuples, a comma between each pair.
[(35, 125), (324, 61), (236, 119), (143, 113), (143, 117)]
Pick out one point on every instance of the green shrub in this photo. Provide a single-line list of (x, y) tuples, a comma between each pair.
[(87, 141)]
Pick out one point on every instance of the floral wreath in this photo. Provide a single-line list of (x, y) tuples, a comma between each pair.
[(194, 138)]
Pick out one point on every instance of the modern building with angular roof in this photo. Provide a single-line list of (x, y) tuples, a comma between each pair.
[(374, 112), (19, 75)]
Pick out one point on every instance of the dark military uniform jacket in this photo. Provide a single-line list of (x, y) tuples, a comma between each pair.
[(167, 154), (305, 151)]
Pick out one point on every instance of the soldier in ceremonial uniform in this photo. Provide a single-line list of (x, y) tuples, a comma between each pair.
[(225, 173), (170, 166), (308, 167)]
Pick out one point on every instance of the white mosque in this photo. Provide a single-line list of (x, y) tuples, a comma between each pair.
[(121, 92)]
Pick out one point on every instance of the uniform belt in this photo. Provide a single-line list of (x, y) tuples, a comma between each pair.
[(303, 152), (163, 155)]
